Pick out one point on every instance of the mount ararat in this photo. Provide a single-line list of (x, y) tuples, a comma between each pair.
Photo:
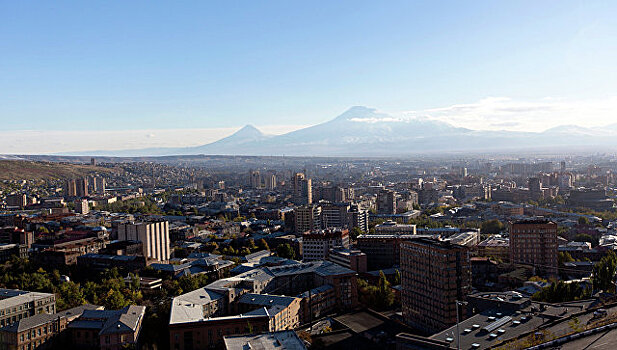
[(362, 131)]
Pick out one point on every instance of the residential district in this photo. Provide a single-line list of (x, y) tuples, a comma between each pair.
[(297, 253)]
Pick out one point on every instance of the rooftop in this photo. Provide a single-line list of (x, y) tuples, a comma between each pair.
[(285, 340)]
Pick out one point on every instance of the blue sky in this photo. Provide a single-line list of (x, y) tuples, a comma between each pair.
[(135, 65)]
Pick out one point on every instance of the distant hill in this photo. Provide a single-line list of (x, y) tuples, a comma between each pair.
[(362, 131), (29, 170)]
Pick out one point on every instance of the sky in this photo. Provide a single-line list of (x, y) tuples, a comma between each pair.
[(78, 75)]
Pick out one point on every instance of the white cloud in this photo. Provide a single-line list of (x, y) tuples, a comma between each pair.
[(502, 113)]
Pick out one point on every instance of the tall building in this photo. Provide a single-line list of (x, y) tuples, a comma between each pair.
[(335, 215), (81, 206), (434, 274), (386, 202), (70, 188), (153, 235), (307, 218), (316, 244), (333, 194), (302, 189), (534, 242), (535, 187), (358, 218), (255, 179), (81, 187), (270, 181), (100, 185)]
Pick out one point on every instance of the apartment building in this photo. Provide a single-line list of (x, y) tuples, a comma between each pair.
[(316, 244), (534, 242), (153, 235), (434, 274)]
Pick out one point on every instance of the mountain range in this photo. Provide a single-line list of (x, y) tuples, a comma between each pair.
[(362, 131)]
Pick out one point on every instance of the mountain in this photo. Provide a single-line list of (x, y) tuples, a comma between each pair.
[(248, 135), (362, 131)]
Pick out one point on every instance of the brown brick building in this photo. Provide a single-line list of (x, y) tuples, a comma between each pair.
[(434, 274), (534, 242)]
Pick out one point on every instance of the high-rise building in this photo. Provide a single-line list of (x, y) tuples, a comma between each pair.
[(335, 215), (307, 218), (81, 187), (386, 202), (333, 194), (535, 187), (434, 275), (154, 237), (316, 244), (81, 206), (270, 181), (302, 189), (358, 218), (534, 242), (100, 185), (255, 179), (70, 188)]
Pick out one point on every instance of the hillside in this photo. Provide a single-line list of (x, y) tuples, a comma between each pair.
[(27, 170)]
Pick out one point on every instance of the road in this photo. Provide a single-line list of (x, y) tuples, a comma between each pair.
[(602, 341)]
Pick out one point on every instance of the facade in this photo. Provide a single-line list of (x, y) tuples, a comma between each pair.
[(382, 251), (302, 189), (81, 187), (534, 242), (386, 202), (107, 329), (392, 228), (40, 331), (201, 318), (81, 206), (495, 247), (307, 218), (316, 245), (16, 200), (358, 218), (153, 235), (434, 274), (17, 304), (335, 215), (351, 259)]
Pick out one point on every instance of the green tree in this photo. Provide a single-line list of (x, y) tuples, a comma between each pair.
[(603, 276), (262, 244), (583, 220), (285, 251), (355, 232), (492, 227)]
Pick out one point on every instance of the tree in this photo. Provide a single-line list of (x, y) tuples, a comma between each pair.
[(397, 278), (603, 277), (262, 244), (355, 232), (563, 257), (583, 220), (583, 237), (492, 227), (285, 251)]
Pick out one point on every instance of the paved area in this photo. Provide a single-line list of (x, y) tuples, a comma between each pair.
[(601, 341)]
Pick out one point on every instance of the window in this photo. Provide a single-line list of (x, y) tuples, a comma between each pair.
[(107, 340)]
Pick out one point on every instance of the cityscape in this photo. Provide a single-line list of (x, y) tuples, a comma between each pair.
[(205, 176)]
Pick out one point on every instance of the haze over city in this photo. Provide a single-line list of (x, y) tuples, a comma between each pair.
[(325, 175)]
